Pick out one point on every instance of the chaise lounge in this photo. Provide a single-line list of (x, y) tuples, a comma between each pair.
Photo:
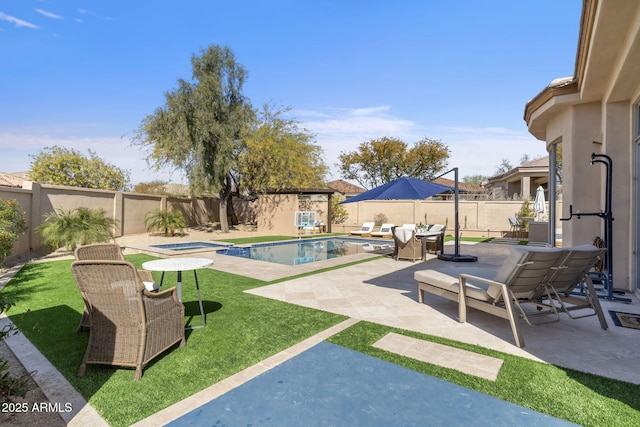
[(520, 280), (385, 231), (365, 230), (571, 288)]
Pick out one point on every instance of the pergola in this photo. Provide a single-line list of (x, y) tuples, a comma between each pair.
[(311, 191)]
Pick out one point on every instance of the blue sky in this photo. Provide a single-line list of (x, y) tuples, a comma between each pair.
[(83, 74)]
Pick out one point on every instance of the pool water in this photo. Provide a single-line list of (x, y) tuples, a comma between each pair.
[(305, 251), (188, 246)]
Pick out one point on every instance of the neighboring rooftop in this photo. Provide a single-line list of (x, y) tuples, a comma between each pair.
[(469, 188), (12, 179), (345, 188)]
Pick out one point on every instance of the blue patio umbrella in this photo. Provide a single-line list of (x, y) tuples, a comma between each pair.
[(404, 188)]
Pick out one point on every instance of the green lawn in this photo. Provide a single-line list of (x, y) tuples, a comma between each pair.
[(243, 329)]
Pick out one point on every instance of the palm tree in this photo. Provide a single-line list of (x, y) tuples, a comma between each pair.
[(169, 222), (75, 227)]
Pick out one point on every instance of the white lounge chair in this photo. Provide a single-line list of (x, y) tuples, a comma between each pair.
[(365, 230), (519, 281), (385, 231)]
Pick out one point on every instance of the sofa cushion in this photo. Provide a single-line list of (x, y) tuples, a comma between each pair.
[(448, 279)]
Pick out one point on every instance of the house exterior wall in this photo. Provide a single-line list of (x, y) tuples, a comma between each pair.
[(275, 213), (597, 113)]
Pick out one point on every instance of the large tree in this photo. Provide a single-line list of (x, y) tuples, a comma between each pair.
[(66, 166), (201, 127), (475, 179), (379, 161), (279, 154)]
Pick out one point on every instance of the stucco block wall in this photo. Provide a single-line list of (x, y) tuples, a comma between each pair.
[(23, 198), (483, 218), (276, 213), (134, 209), (128, 209)]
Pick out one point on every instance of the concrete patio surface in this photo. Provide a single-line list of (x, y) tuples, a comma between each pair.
[(384, 291)]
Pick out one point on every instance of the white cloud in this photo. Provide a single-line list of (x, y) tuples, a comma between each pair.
[(369, 111), (17, 149), (343, 129), (478, 151), (18, 22), (474, 151), (48, 14)]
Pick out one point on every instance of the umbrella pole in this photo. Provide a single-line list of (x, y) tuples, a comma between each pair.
[(456, 257)]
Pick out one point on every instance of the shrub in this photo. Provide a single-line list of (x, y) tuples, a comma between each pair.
[(380, 219), (9, 385), (163, 220), (526, 211), (339, 213), (12, 225), (75, 227)]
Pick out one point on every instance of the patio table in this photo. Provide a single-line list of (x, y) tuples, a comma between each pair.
[(179, 265), (422, 235)]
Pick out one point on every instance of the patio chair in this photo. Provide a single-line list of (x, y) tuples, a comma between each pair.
[(515, 227), (407, 245), (385, 231), (571, 288), (130, 326), (106, 252), (436, 243), (365, 230), (518, 281)]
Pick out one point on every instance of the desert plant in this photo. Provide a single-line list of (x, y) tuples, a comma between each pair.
[(526, 211), (380, 219), (12, 225), (163, 220), (75, 227)]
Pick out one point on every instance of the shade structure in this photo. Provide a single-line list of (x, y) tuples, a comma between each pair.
[(539, 204), (404, 188)]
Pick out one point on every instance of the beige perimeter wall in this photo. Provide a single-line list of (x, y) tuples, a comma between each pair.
[(128, 209), (271, 213), (481, 218)]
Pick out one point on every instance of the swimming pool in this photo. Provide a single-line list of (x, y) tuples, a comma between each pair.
[(188, 246), (305, 251)]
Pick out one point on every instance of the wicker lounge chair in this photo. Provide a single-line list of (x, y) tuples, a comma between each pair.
[(130, 326), (408, 246), (519, 281), (107, 252), (571, 288), (435, 243), (365, 230)]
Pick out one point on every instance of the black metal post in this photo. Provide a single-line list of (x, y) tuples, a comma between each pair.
[(607, 216), (456, 257)]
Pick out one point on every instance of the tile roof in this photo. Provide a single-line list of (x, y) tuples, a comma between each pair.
[(345, 187), (9, 180), (461, 185)]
